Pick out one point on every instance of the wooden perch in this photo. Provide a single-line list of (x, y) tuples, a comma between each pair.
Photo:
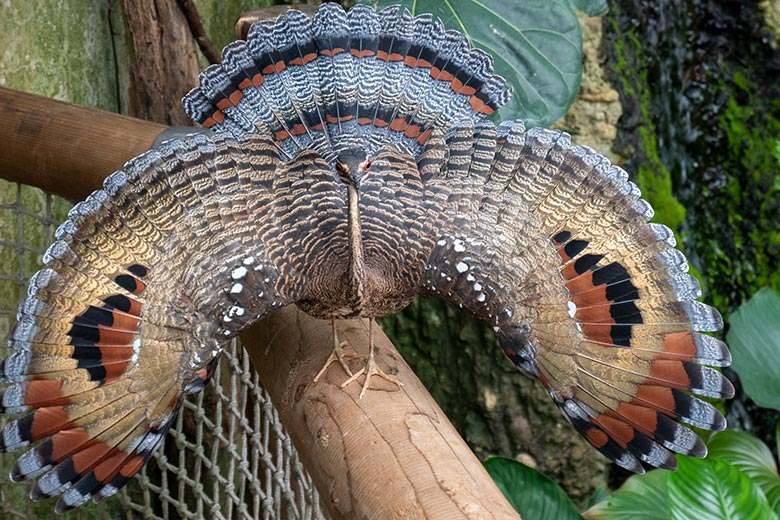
[(65, 149), (392, 454)]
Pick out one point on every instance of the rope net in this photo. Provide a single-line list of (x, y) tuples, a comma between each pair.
[(228, 456)]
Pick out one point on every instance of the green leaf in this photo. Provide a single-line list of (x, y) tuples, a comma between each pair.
[(754, 338), (600, 494), (752, 457), (536, 46), (714, 489), (777, 436), (532, 494), (641, 497), (590, 7)]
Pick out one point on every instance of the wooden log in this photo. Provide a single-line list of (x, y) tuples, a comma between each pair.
[(392, 454), (65, 149)]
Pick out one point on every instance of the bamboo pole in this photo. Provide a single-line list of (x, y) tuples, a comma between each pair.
[(392, 454)]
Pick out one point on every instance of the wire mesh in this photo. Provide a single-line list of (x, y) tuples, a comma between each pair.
[(228, 456)]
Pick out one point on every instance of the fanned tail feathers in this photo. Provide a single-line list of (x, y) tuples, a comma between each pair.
[(189, 244), (346, 79)]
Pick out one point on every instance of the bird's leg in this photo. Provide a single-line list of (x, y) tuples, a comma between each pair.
[(371, 368), (338, 354)]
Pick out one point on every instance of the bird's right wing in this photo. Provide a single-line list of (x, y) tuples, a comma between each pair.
[(146, 281), (550, 245)]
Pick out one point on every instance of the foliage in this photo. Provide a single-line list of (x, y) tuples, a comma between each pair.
[(704, 489), (731, 484), (640, 498), (653, 178), (752, 457), (755, 345), (531, 493), (536, 45), (714, 489)]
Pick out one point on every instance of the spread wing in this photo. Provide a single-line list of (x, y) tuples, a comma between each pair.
[(550, 245), (146, 281)]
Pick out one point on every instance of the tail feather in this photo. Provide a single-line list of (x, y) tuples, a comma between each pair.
[(331, 35), (293, 41), (105, 345), (595, 360), (673, 403), (597, 437), (246, 79), (394, 43), (364, 29), (345, 79), (221, 91), (86, 410)]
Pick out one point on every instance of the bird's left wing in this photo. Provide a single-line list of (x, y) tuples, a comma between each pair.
[(146, 281), (550, 245)]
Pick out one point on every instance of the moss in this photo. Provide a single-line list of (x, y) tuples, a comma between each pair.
[(652, 176), (747, 201), (58, 49), (707, 76), (656, 184)]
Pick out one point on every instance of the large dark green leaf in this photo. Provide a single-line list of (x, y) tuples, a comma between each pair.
[(532, 494), (714, 489), (752, 457), (754, 338), (536, 45), (640, 498)]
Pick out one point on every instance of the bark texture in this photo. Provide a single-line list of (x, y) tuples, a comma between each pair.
[(163, 60)]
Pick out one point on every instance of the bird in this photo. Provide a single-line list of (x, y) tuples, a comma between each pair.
[(350, 168)]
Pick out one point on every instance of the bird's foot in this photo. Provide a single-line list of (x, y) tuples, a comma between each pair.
[(371, 369), (338, 355)]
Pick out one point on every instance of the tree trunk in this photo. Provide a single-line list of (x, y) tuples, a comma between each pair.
[(163, 60)]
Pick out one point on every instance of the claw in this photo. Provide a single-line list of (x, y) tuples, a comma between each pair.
[(337, 355), (371, 369)]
